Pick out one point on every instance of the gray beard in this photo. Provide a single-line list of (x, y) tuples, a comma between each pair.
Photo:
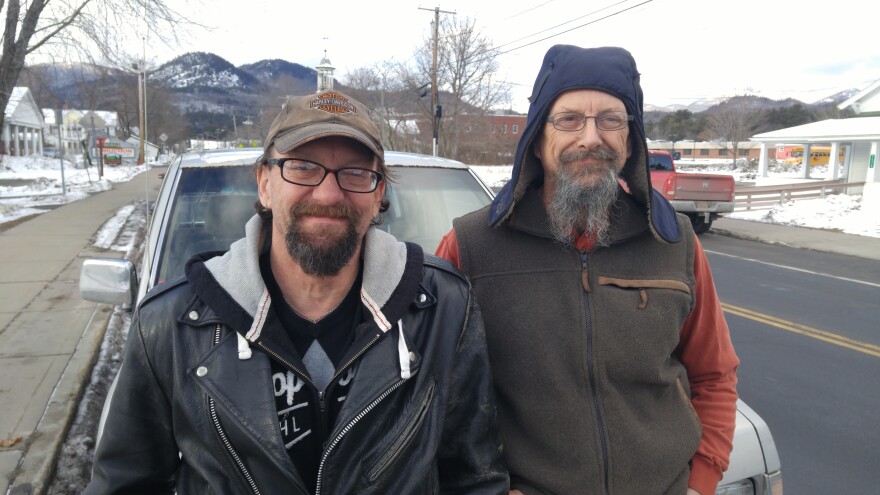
[(583, 208), (322, 260)]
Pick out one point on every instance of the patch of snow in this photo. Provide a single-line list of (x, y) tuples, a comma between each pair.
[(31, 184)]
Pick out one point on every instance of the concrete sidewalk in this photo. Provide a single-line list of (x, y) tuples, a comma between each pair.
[(49, 336), (800, 237)]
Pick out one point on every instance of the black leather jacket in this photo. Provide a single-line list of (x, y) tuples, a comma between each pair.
[(193, 410)]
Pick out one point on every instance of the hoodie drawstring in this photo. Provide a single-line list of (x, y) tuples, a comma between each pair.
[(244, 347), (403, 353)]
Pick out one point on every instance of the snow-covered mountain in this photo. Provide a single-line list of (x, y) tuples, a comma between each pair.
[(204, 71)]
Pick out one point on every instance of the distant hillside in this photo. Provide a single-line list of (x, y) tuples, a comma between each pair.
[(203, 71), (268, 70)]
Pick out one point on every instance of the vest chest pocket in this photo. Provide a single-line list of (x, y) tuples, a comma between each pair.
[(643, 286)]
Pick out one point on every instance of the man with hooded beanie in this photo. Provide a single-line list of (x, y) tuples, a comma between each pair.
[(613, 367)]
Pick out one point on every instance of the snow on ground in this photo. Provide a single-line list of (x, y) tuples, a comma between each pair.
[(32, 185)]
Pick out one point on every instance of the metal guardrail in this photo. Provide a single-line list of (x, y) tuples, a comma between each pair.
[(760, 197)]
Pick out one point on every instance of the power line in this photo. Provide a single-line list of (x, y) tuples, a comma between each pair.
[(574, 28), (528, 10), (563, 24)]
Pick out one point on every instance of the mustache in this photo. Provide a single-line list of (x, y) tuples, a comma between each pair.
[(601, 154), (346, 211)]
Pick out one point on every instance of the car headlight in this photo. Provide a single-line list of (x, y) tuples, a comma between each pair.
[(741, 487), (764, 484)]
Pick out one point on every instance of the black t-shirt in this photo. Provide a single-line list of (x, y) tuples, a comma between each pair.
[(300, 349)]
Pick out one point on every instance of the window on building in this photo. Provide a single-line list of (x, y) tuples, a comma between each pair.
[(704, 152), (504, 129), (687, 152), (743, 152), (515, 128), (722, 152)]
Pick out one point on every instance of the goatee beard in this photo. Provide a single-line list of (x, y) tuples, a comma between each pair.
[(322, 253), (578, 207)]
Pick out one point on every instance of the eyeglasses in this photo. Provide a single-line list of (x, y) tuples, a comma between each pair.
[(605, 121), (306, 173)]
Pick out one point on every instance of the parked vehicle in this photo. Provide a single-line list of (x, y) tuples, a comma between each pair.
[(206, 198), (702, 197)]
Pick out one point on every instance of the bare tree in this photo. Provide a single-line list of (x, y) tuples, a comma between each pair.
[(467, 70), (467, 87), (734, 124), (81, 29), (391, 103)]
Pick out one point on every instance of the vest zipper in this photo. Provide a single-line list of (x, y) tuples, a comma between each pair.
[(348, 427), (591, 370), (223, 438)]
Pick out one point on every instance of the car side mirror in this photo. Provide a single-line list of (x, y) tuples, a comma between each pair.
[(109, 280)]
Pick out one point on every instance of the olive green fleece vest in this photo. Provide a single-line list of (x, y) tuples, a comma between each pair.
[(591, 398)]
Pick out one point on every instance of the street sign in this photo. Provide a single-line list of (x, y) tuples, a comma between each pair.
[(91, 120), (163, 137), (100, 141)]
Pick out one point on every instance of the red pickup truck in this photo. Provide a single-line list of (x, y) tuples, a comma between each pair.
[(702, 197)]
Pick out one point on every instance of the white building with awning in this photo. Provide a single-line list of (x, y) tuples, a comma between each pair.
[(22, 125), (858, 136)]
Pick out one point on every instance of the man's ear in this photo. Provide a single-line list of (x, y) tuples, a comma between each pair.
[(263, 190), (536, 147)]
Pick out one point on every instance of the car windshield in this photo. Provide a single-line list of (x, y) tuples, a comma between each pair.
[(658, 161), (423, 201), (212, 204), (210, 208)]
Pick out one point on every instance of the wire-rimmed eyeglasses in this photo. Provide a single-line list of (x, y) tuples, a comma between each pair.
[(306, 173), (605, 121)]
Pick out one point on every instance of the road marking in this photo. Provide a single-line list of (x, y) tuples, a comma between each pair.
[(831, 338), (845, 279)]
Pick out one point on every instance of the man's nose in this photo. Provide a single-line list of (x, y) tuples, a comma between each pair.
[(590, 136), (328, 191)]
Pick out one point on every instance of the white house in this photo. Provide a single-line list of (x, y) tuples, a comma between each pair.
[(76, 125), (22, 125)]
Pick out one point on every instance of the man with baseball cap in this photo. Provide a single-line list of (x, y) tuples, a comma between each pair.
[(317, 355)]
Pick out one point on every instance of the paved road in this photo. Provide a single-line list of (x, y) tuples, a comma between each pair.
[(804, 324)]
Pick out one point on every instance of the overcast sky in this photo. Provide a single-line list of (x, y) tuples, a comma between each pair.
[(685, 49)]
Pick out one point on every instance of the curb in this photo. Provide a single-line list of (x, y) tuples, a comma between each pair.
[(37, 468)]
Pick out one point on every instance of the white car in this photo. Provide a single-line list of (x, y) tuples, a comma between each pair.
[(206, 199)]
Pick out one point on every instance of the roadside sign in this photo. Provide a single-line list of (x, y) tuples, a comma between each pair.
[(163, 137)]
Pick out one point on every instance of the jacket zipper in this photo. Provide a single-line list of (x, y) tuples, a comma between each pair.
[(242, 468), (348, 427), (600, 422), (405, 437)]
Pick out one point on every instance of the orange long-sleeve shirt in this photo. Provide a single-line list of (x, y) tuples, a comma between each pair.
[(706, 352)]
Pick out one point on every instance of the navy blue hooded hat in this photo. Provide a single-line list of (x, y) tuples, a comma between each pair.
[(609, 69)]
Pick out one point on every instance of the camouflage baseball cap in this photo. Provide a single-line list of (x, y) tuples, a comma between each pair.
[(329, 113)]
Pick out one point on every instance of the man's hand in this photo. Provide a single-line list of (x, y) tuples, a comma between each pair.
[(691, 491)]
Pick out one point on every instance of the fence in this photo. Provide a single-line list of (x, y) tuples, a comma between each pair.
[(759, 197)]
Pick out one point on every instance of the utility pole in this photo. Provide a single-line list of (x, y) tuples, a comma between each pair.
[(435, 107)]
